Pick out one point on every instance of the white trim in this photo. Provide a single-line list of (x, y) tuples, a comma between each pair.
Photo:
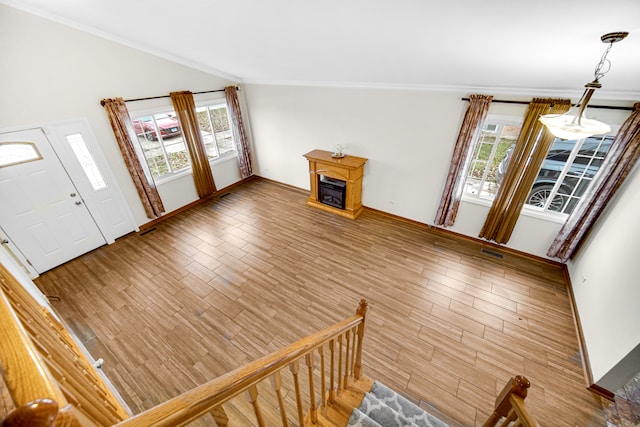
[(14, 252), (212, 162), (207, 101), (602, 94), (53, 135), (526, 210)]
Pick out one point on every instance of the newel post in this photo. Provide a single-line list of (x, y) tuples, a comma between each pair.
[(517, 386), (361, 311), (38, 413)]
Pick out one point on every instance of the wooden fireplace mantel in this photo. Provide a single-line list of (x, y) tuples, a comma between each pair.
[(349, 169)]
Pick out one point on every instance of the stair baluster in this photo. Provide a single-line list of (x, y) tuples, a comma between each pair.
[(323, 385), (252, 395), (339, 391), (332, 383), (220, 416), (294, 366), (43, 361), (352, 362), (346, 359), (276, 383), (33, 355), (310, 361)]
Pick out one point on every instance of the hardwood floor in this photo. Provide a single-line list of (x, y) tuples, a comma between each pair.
[(244, 274)]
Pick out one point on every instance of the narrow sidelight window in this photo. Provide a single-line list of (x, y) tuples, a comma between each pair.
[(87, 161)]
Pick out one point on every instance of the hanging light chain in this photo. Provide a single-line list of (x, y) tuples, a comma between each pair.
[(610, 38), (599, 72)]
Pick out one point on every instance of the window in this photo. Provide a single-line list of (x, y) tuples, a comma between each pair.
[(165, 151), (567, 172), (215, 129), (161, 140), (86, 160), (15, 153), (484, 174), (564, 176)]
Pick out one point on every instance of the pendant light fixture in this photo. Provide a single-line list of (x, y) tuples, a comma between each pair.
[(573, 124)]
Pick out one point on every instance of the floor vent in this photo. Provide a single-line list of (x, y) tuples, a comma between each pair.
[(492, 253), (224, 195), (148, 231)]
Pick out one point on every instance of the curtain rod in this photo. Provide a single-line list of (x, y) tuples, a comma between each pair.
[(609, 107), (169, 96)]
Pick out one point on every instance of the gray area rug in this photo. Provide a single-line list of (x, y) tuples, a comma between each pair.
[(383, 407)]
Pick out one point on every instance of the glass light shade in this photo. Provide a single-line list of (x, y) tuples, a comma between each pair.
[(565, 126)]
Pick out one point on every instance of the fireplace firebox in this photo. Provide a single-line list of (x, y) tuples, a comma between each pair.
[(331, 191)]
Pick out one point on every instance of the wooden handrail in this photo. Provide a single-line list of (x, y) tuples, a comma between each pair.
[(42, 360), (510, 405), (26, 375), (197, 402)]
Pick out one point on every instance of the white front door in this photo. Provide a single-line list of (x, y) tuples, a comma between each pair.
[(41, 210)]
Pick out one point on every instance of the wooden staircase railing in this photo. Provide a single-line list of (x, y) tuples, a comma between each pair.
[(341, 344), (510, 405), (48, 376), (52, 381)]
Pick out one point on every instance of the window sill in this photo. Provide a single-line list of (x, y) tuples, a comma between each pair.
[(173, 177), (526, 211), (224, 158), (179, 175)]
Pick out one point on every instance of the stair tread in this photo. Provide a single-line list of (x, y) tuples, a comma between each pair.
[(388, 408)]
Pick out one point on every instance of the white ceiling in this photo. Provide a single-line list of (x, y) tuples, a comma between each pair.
[(541, 47)]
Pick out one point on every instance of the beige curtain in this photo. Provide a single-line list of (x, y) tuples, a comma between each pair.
[(140, 174), (529, 153), (467, 137), (239, 134), (186, 110), (617, 165)]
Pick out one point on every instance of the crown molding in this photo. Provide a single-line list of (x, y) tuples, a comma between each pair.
[(601, 94), (491, 90)]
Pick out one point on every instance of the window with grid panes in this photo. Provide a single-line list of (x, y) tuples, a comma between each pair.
[(563, 178)]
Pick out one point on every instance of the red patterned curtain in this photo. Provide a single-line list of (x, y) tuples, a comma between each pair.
[(185, 108), (140, 173), (471, 126), (239, 134), (616, 167)]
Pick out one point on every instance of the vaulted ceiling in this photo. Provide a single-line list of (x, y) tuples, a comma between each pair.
[(541, 47)]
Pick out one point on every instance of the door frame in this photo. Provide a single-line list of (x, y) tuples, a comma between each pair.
[(54, 133), (13, 251)]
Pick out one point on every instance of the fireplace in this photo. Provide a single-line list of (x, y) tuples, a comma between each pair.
[(335, 184), (331, 191)]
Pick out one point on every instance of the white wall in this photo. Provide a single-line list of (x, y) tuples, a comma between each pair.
[(13, 266), (51, 72), (607, 290), (399, 132), (408, 137)]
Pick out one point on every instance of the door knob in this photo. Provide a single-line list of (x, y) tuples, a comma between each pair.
[(5, 242), (78, 203), (73, 194)]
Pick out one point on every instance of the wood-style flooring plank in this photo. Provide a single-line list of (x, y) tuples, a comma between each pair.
[(230, 280)]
